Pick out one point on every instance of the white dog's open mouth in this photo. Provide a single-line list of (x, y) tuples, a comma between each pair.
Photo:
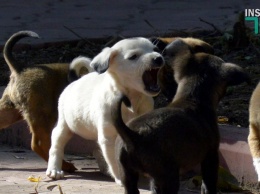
[(150, 80)]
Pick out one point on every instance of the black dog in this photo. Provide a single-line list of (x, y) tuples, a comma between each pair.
[(182, 135)]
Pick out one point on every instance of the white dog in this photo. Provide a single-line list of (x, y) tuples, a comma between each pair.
[(130, 67)]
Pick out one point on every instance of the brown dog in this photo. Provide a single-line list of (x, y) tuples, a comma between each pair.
[(32, 94), (164, 141), (254, 129)]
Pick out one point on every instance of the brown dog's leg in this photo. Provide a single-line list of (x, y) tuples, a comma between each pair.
[(8, 117), (8, 113), (41, 145)]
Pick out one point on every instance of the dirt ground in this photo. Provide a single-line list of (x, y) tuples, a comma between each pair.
[(22, 171)]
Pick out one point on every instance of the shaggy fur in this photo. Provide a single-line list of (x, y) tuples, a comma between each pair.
[(182, 135), (131, 67), (32, 94), (254, 129)]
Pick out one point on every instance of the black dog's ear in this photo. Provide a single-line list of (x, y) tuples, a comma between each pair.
[(235, 75), (101, 62), (159, 43)]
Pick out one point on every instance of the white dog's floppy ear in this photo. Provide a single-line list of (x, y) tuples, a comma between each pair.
[(101, 62)]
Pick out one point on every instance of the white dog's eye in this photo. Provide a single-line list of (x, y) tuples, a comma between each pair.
[(132, 57)]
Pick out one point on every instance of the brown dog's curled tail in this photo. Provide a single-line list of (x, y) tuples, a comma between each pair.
[(12, 63), (128, 135)]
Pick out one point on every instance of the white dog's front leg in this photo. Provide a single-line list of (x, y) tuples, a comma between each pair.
[(60, 137), (107, 146)]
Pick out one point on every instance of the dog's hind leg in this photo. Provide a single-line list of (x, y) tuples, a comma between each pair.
[(129, 176), (41, 143), (209, 170), (167, 181), (61, 134), (8, 117), (107, 146), (8, 113)]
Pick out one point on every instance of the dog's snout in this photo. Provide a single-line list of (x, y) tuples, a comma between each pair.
[(158, 60)]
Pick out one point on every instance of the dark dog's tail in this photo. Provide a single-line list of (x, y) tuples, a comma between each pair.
[(128, 135), (79, 67), (12, 63)]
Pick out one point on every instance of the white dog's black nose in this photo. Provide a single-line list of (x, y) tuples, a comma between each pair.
[(158, 61)]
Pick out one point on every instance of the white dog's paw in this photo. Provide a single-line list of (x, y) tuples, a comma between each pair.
[(119, 182), (55, 174)]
